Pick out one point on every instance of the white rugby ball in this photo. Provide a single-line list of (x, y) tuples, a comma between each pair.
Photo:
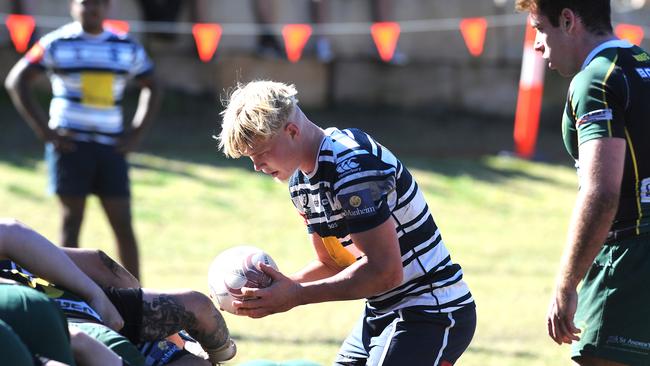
[(235, 268)]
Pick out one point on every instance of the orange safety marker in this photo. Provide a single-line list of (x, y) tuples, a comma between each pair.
[(529, 100), (21, 28), (632, 33), (385, 35), (473, 31), (117, 26), (207, 37), (295, 37)]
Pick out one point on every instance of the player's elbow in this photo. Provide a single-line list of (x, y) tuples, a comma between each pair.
[(9, 228), (391, 277), (12, 81)]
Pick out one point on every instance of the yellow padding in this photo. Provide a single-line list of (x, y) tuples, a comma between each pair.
[(335, 249)]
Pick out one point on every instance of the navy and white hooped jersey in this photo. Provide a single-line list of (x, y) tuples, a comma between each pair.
[(88, 74), (358, 184)]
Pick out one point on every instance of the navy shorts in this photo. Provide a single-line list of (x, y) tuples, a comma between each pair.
[(410, 336), (91, 168)]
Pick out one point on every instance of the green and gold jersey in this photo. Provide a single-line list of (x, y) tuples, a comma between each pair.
[(610, 97)]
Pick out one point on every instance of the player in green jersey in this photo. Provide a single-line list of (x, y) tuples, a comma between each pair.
[(606, 129)]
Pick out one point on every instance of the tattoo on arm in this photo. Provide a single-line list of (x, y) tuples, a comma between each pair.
[(109, 263), (166, 315)]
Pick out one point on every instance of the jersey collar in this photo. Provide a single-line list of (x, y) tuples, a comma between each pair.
[(614, 43)]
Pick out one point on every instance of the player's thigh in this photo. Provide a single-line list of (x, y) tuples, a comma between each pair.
[(418, 337), (613, 310), (353, 351)]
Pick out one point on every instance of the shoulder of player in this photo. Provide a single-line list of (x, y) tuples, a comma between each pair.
[(601, 71)]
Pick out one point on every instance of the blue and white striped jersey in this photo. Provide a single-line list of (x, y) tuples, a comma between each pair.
[(357, 185), (88, 74)]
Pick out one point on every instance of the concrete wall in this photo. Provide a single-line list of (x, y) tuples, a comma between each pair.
[(439, 73)]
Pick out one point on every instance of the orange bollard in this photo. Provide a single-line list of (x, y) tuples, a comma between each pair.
[(529, 100)]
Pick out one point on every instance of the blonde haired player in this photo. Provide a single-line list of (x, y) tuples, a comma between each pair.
[(370, 226)]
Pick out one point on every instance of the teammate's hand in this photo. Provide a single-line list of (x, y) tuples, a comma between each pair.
[(62, 143), (281, 296), (105, 308), (128, 142), (560, 316)]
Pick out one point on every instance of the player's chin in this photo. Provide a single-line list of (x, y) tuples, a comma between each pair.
[(280, 178)]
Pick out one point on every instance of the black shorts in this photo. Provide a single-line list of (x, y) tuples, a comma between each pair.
[(91, 168), (128, 302)]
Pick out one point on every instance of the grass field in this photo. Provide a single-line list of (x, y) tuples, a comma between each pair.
[(503, 219)]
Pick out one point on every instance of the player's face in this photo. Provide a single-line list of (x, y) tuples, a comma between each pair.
[(554, 45), (90, 13), (277, 156)]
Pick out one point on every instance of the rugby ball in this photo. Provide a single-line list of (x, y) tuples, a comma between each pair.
[(234, 269)]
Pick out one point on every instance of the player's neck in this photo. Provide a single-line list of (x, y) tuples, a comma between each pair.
[(313, 136)]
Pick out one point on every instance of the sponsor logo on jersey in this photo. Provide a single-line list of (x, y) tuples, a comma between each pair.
[(355, 201), (358, 204), (595, 116), (347, 166), (642, 57), (645, 190), (644, 72)]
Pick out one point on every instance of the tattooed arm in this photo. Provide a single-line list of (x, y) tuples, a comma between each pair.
[(164, 313), (102, 268)]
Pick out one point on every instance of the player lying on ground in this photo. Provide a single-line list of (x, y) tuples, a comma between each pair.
[(140, 315)]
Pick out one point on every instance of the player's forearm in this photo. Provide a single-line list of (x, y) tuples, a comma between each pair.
[(34, 252), (26, 105), (591, 220), (148, 105), (360, 280), (316, 270)]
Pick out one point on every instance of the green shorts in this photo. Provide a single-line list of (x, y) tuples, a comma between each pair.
[(13, 350), (38, 322), (113, 340), (614, 304)]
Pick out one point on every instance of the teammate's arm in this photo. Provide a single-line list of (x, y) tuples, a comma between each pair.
[(38, 255), (148, 105), (322, 267), (601, 173), (378, 271)]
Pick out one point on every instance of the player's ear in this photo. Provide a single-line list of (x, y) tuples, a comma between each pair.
[(567, 20), (292, 129)]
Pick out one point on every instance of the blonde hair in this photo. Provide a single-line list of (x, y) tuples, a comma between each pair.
[(255, 112), (525, 5)]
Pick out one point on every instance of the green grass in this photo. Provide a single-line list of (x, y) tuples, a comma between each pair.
[(503, 219)]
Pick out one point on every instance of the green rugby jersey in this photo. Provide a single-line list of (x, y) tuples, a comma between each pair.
[(610, 97)]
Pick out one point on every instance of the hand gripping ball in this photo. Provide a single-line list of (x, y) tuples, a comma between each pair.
[(234, 269)]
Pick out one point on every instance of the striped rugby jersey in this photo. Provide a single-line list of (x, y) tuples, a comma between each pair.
[(357, 185), (88, 74)]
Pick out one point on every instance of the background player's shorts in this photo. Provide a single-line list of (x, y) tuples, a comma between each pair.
[(614, 304), (410, 336), (91, 168), (38, 322)]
